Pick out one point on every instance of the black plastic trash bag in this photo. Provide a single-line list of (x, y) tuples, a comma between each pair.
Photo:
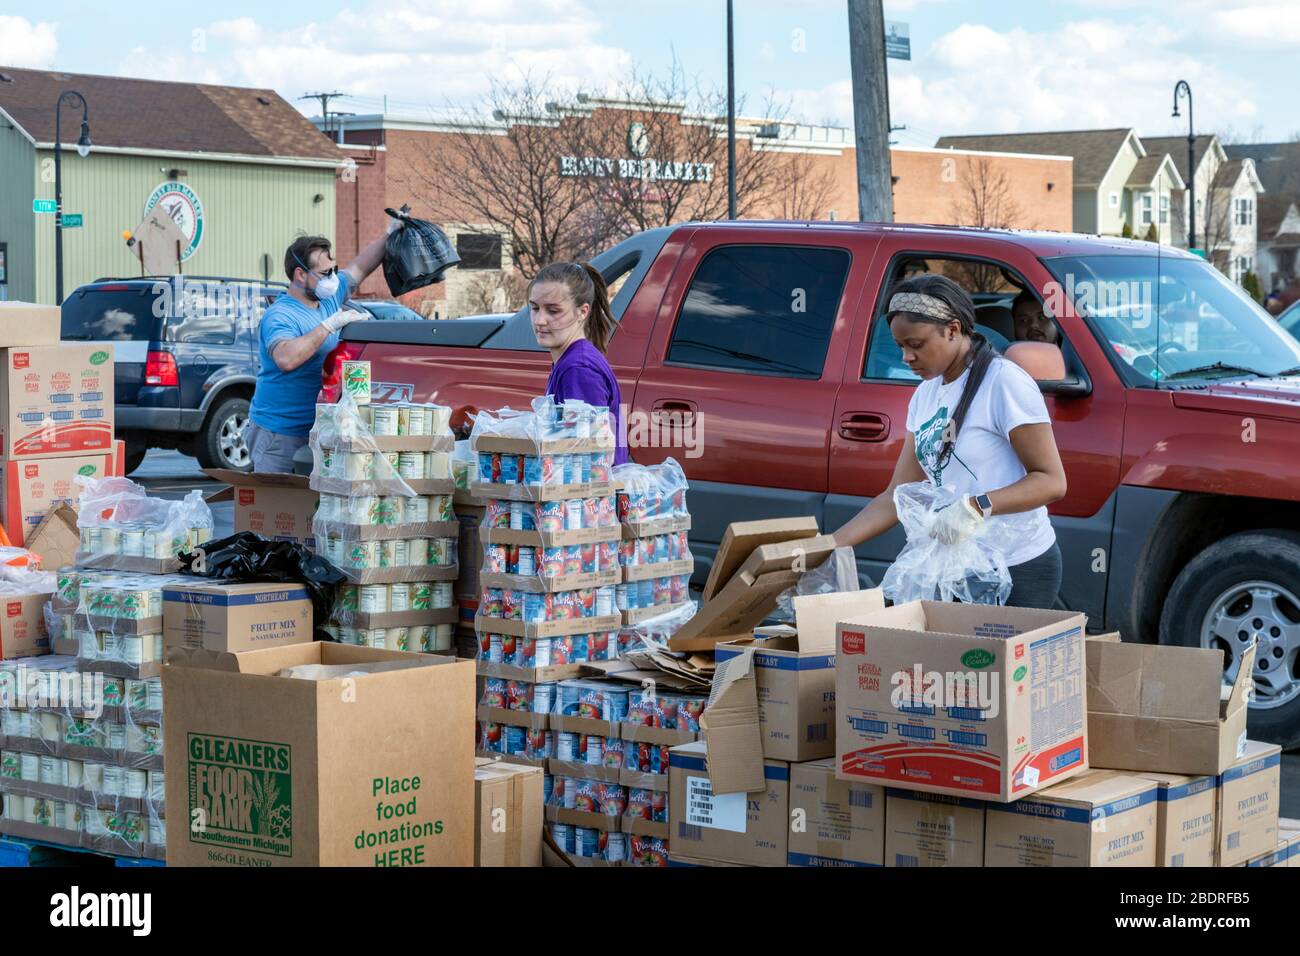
[(247, 557), (416, 255)]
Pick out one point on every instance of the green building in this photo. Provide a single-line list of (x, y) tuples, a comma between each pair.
[(240, 171)]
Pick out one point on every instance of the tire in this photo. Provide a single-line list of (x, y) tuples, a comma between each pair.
[(134, 456), (1244, 587), (221, 443)]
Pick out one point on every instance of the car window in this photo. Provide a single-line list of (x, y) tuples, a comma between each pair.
[(115, 313), (209, 313), (762, 309)]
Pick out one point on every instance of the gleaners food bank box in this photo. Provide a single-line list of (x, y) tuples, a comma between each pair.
[(963, 699), (320, 754)]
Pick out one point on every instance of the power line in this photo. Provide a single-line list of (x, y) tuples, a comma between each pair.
[(324, 106)]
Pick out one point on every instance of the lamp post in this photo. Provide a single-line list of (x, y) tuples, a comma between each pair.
[(731, 117), (83, 150), (1182, 89)]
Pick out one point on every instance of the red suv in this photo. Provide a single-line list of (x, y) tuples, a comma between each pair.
[(1178, 416)]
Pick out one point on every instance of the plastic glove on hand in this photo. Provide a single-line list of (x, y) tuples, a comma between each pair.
[(956, 522), (344, 317)]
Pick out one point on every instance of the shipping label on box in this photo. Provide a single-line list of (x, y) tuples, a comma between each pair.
[(230, 618), (56, 401), (751, 829), (1248, 804), (961, 698), (1185, 818), (834, 822), (1097, 818), (932, 829)]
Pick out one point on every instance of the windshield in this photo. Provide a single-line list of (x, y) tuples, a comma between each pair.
[(109, 314), (1173, 319)]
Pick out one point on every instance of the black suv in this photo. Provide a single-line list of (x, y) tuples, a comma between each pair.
[(186, 358), (185, 349)]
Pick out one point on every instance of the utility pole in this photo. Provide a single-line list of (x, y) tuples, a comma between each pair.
[(324, 107), (870, 110), (731, 117)]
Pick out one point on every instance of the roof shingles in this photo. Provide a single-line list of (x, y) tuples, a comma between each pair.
[(155, 115), (1094, 150)]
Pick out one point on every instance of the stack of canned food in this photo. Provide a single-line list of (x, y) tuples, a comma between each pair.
[(533, 607), (390, 553), (384, 598), (527, 561), (571, 514), (393, 419), (544, 471), (649, 492), (417, 638), (141, 540), (383, 510), (373, 466)]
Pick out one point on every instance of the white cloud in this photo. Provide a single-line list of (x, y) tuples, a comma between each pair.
[(1095, 73), (1270, 23), (27, 44), (417, 52)]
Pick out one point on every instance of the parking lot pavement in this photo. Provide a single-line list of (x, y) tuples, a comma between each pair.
[(169, 474)]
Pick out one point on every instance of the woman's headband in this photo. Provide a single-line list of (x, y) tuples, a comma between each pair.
[(918, 303)]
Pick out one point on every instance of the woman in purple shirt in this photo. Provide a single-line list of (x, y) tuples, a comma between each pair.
[(569, 305)]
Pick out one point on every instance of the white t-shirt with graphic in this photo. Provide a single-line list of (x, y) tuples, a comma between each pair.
[(983, 459)]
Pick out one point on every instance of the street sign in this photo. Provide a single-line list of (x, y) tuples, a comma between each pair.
[(71, 220), (1197, 252), (898, 42), (44, 205)]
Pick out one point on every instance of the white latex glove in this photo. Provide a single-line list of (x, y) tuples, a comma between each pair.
[(956, 522), (344, 317)]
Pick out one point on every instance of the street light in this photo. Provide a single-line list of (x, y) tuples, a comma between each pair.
[(731, 117), (1182, 89), (83, 150)]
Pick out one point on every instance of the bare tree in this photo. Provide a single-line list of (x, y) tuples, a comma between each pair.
[(984, 200), (495, 291), (802, 191), (508, 180)]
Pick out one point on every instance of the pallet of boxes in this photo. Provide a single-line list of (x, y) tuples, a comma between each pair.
[(386, 520), (469, 513), (968, 735), (101, 784)]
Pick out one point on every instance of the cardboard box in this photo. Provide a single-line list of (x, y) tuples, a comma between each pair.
[(1098, 818), (767, 557), (279, 507), (32, 487), (354, 769), (1281, 856), (1248, 804), (751, 829), (206, 620), (56, 538), (1158, 708), (1288, 831), (794, 670), (26, 323), (833, 822), (22, 626), (508, 818), (963, 699), (56, 401), (1185, 818), (933, 829)]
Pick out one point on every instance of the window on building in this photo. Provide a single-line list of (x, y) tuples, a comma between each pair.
[(478, 250), (761, 309), (1114, 200), (1164, 210), (1244, 212), (1148, 203)]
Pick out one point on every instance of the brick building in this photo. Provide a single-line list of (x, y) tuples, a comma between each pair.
[(809, 173)]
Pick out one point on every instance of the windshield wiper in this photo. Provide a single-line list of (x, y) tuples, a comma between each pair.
[(1295, 370), (1215, 367)]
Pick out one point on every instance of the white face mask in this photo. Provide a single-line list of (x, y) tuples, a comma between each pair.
[(327, 287)]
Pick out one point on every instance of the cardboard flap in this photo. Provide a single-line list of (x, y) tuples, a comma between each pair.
[(730, 727), (1154, 681), (1244, 684), (742, 537), (245, 479), (816, 615), (56, 538)]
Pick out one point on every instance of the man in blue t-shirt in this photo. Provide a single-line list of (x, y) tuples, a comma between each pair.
[(297, 331)]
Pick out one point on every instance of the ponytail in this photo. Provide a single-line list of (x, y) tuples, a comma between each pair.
[(587, 287)]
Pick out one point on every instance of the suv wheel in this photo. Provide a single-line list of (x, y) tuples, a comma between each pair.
[(1247, 588), (221, 445), (135, 452)]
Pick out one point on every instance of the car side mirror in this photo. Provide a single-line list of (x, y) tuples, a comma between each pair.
[(1073, 386)]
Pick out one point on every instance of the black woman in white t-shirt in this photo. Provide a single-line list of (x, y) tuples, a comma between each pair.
[(977, 423)]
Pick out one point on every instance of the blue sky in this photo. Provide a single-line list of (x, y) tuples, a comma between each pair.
[(981, 66)]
